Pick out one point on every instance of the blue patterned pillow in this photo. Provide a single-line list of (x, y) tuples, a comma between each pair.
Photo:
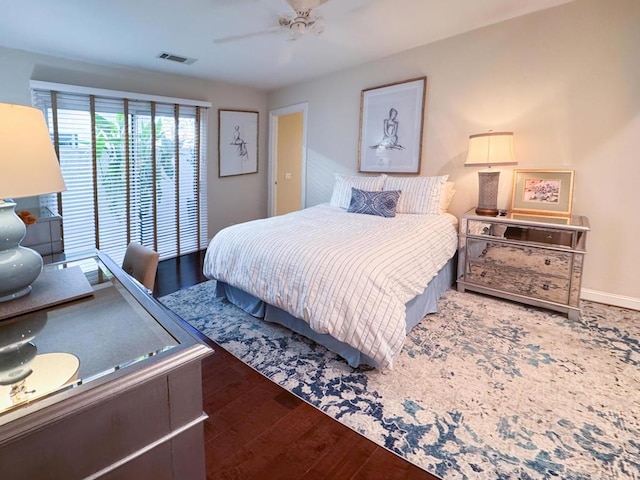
[(382, 204)]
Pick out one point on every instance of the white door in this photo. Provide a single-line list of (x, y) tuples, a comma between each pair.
[(287, 159)]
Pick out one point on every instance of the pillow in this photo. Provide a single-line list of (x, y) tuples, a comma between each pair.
[(419, 194), (341, 196), (447, 195), (382, 204)]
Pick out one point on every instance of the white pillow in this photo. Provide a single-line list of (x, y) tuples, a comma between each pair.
[(447, 195), (341, 196), (419, 194)]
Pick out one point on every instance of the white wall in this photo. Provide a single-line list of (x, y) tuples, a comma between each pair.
[(231, 199), (565, 80)]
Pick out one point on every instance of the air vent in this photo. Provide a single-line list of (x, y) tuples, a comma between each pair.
[(176, 58)]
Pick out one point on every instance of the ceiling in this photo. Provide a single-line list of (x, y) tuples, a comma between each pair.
[(131, 33)]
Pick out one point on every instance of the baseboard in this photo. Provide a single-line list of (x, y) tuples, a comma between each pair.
[(610, 299)]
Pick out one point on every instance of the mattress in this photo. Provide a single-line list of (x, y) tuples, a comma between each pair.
[(346, 275), (416, 310)]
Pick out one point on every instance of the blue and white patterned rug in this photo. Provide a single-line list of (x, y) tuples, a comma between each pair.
[(484, 389)]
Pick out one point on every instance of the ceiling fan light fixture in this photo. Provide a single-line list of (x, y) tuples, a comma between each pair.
[(297, 29), (299, 21), (302, 21)]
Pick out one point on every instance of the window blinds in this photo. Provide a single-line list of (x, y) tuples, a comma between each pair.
[(135, 170)]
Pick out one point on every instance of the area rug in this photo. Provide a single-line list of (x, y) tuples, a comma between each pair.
[(484, 389)]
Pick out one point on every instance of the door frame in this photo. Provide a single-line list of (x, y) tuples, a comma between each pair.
[(273, 153)]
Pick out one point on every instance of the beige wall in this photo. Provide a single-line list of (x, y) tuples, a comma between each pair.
[(231, 199), (289, 192), (565, 80)]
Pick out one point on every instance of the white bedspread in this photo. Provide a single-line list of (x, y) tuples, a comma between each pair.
[(348, 275)]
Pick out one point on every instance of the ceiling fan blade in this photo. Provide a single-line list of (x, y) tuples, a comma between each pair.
[(301, 5), (285, 6), (241, 36), (279, 7)]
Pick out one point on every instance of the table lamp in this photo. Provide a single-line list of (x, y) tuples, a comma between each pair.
[(491, 148), (28, 167)]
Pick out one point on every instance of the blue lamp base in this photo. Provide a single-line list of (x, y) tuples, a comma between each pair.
[(19, 266)]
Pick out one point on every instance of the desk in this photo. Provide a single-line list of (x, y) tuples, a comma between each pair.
[(134, 407)]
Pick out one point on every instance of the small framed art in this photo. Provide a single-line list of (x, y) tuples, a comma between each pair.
[(545, 192), (237, 142), (391, 118), (556, 219)]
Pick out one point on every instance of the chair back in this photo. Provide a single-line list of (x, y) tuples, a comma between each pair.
[(141, 263)]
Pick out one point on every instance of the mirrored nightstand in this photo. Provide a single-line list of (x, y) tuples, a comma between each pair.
[(533, 259)]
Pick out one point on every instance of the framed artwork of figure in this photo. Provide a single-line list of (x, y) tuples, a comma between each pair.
[(237, 142), (391, 119)]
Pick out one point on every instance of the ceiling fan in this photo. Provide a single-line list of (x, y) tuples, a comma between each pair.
[(299, 20)]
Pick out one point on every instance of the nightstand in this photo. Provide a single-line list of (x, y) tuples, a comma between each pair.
[(533, 259)]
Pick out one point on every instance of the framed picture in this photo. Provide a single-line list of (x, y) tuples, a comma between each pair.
[(237, 142), (546, 192), (391, 118), (558, 220)]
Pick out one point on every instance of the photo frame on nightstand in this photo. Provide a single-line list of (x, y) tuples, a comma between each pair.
[(528, 217), (542, 192)]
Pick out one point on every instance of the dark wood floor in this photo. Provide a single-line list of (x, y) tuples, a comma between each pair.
[(258, 430)]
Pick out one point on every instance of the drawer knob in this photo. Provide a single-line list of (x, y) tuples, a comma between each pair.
[(545, 286), (483, 274), (549, 237), (547, 262)]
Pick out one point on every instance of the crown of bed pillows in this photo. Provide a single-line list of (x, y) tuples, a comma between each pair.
[(417, 195)]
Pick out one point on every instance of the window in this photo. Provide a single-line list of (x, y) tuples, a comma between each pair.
[(134, 166)]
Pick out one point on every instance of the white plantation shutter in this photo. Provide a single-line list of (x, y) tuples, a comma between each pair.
[(135, 170)]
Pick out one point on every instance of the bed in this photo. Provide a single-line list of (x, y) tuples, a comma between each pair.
[(355, 283)]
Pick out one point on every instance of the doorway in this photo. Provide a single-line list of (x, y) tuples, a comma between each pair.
[(287, 159)]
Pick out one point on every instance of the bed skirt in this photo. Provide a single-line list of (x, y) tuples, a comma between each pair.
[(416, 309)]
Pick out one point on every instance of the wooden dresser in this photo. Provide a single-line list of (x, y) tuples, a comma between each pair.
[(533, 259)]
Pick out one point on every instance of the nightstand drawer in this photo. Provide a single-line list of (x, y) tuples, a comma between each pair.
[(551, 289), (545, 236), (516, 281), (486, 275), (536, 260)]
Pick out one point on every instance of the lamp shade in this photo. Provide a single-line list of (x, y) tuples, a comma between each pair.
[(29, 165), (491, 148)]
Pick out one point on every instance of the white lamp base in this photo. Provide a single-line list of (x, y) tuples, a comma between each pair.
[(19, 266)]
